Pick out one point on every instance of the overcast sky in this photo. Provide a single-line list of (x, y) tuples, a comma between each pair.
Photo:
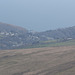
[(38, 15)]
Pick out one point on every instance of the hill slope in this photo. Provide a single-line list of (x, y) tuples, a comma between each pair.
[(15, 37), (12, 37), (38, 61), (11, 28), (64, 33)]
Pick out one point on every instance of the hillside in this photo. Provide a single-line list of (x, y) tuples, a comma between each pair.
[(12, 37), (11, 28), (64, 33), (38, 61)]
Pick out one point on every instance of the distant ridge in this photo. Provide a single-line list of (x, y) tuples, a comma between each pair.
[(12, 37), (9, 27), (62, 33)]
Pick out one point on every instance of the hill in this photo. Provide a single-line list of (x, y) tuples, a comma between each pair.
[(11, 28), (12, 37), (64, 33)]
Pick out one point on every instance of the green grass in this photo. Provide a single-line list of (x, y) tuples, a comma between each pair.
[(53, 44)]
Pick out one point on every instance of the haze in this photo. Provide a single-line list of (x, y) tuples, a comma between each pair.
[(38, 15)]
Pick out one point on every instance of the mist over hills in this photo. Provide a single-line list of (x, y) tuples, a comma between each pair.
[(12, 36)]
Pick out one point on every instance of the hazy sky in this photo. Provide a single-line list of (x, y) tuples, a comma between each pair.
[(38, 15)]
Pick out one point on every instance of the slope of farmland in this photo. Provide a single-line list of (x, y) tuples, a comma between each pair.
[(38, 61)]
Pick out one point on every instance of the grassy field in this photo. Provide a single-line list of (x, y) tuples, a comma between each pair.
[(38, 61), (53, 43)]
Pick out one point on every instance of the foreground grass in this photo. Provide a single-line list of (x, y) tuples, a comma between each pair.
[(38, 61)]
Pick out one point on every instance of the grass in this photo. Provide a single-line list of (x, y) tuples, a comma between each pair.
[(38, 61), (53, 43)]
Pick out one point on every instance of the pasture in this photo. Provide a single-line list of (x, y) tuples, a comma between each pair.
[(38, 61)]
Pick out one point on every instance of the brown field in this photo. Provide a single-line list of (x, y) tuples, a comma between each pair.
[(38, 61)]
